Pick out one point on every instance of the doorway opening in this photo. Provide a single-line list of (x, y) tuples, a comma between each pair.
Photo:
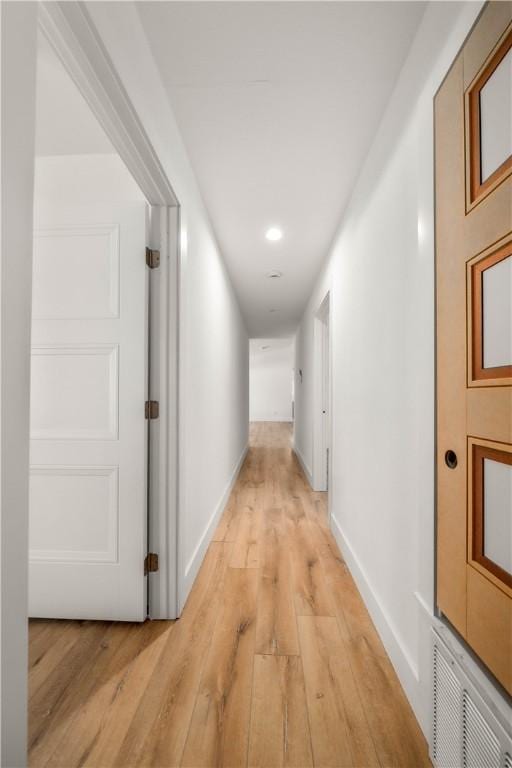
[(322, 398), (271, 379), (103, 478)]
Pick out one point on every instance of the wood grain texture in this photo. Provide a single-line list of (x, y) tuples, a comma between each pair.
[(451, 347), (159, 729), (279, 735), (339, 730), (490, 618), (309, 584), (246, 546), (219, 728), (276, 626), (87, 720), (229, 684), (385, 704), (227, 528)]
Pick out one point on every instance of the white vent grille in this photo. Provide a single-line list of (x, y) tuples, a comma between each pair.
[(466, 734), (447, 714), (481, 747)]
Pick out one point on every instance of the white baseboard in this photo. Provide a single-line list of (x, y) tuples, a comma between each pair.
[(193, 565), (405, 667), (302, 462), (286, 419)]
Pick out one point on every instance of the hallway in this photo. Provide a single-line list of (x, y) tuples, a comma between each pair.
[(275, 661)]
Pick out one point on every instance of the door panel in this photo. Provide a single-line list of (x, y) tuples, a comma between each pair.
[(488, 412), (489, 289), (474, 338), (88, 492), (451, 353), (489, 511), (489, 626), (483, 38)]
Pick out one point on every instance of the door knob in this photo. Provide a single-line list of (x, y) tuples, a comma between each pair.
[(450, 459)]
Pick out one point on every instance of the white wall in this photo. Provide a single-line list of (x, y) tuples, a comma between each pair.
[(214, 357), (270, 379), (380, 273)]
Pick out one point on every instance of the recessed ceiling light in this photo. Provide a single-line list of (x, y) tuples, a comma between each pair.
[(274, 273), (273, 234)]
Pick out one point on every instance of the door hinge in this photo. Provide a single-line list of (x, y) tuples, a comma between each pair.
[(150, 563), (152, 258), (152, 409)]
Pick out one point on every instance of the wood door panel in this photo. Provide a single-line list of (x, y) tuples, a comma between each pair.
[(451, 564), (484, 37), (478, 557), (483, 52), (451, 354), (488, 220), (490, 626), (478, 374), (488, 413), (471, 406)]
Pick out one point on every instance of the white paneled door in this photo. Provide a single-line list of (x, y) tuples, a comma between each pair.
[(88, 478)]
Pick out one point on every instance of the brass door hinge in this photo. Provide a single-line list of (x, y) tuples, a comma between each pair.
[(152, 409), (152, 258), (150, 563)]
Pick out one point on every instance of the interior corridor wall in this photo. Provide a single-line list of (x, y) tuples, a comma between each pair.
[(214, 348), (380, 274), (270, 379)]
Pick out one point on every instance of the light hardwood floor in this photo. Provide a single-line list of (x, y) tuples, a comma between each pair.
[(275, 661)]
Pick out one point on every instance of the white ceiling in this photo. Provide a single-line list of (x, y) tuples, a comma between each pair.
[(277, 103), (65, 124)]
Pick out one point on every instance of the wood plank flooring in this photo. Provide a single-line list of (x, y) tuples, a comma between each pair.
[(274, 663)]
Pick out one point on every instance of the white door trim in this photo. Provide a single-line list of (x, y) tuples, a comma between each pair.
[(320, 427), (70, 31), (17, 103)]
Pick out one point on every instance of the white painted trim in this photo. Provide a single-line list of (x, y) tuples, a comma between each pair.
[(163, 599), (404, 665), (71, 32), (302, 462), (427, 611), (195, 561), (18, 28), (320, 439)]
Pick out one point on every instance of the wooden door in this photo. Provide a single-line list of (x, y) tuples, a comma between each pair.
[(88, 475), (473, 165)]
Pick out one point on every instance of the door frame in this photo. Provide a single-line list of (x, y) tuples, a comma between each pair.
[(18, 22), (69, 30), (322, 432)]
